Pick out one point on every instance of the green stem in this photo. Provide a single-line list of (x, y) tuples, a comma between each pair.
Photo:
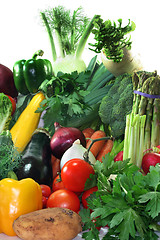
[(38, 53), (86, 154), (141, 141), (73, 31), (84, 38), (54, 55), (57, 32), (127, 137), (12, 175), (155, 128)]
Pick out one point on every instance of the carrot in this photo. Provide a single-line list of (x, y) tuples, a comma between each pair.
[(55, 162), (88, 133), (107, 147), (96, 147)]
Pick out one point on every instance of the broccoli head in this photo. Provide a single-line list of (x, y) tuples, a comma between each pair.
[(5, 112), (117, 104)]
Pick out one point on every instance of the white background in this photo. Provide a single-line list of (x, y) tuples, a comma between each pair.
[(21, 31)]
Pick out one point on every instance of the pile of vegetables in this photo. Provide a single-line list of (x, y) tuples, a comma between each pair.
[(86, 135)]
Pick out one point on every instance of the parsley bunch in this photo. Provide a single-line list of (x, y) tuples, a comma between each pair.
[(130, 204), (64, 97)]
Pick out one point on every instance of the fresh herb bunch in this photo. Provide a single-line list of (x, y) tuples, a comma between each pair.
[(130, 204), (73, 99), (10, 159), (64, 95), (110, 37)]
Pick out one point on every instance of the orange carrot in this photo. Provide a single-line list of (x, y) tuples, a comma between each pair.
[(96, 147), (88, 133), (55, 162), (107, 147)]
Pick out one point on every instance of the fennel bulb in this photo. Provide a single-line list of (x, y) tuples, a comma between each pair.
[(69, 64)]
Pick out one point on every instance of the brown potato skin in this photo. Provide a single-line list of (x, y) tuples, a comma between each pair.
[(48, 224)]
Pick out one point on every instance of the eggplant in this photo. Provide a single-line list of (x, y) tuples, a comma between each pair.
[(36, 159)]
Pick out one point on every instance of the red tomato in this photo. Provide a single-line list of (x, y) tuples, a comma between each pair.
[(57, 184), (46, 190), (13, 104), (74, 174), (65, 199), (119, 156), (44, 201), (86, 194)]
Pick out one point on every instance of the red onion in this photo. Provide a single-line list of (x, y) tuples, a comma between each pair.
[(63, 138)]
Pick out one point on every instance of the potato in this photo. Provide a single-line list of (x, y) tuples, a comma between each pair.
[(49, 223)]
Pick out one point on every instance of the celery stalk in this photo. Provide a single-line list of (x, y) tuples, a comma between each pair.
[(127, 137)]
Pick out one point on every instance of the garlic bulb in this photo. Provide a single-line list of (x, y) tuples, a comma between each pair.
[(76, 151)]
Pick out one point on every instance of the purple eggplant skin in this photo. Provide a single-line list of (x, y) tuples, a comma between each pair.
[(7, 85)]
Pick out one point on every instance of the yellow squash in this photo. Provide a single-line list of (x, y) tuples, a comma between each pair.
[(27, 123), (17, 198)]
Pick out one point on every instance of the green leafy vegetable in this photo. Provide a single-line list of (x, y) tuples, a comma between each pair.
[(10, 159), (111, 38), (129, 204), (5, 112), (73, 99)]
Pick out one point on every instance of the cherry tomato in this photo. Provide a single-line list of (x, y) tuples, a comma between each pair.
[(86, 194), (57, 184), (13, 104), (44, 201), (46, 190), (65, 199), (74, 174)]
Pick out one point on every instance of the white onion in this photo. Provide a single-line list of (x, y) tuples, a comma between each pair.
[(76, 151)]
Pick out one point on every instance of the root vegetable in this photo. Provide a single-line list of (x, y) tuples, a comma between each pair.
[(48, 224)]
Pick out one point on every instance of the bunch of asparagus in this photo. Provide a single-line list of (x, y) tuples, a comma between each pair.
[(142, 130)]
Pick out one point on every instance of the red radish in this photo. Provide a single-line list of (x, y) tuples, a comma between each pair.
[(150, 159), (63, 138), (119, 156)]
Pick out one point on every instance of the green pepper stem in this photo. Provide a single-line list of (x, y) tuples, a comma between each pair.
[(38, 53)]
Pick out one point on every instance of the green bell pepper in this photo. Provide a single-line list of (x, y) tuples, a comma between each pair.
[(29, 74)]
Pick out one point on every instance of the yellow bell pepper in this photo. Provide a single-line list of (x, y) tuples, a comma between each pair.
[(17, 198)]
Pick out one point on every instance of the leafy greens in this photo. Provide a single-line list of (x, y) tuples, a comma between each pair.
[(129, 205), (110, 37)]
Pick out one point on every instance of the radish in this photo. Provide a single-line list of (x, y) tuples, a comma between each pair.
[(150, 159)]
